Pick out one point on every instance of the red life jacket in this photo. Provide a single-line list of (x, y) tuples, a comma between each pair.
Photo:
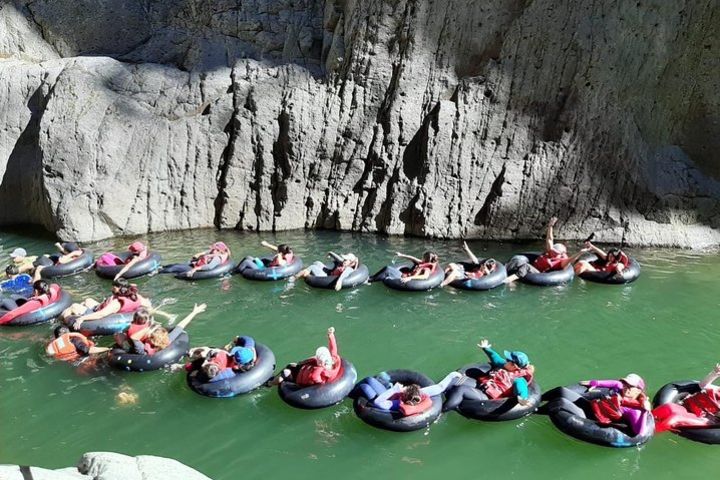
[(337, 270), (705, 403), (134, 328), (407, 409), (548, 263), (498, 383), (312, 374), (32, 304), (127, 304), (62, 347), (221, 359), (611, 266)]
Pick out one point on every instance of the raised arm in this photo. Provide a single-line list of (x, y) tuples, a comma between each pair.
[(337, 258), (332, 343), (470, 254), (189, 318), (496, 361), (710, 377), (408, 257), (549, 238), (597, 251), (269, 245)]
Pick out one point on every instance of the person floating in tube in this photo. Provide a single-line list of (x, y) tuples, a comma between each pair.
[(217, 364), (422, 268), (124, 299), (554, 257), (509, 376), (700, 409), (69, 346), (69, 251), (324, 367), (625, 404), (407, 399), (615, 261), (41, 293), (218, 254), (456, 271), (344, 266), (22, 261)]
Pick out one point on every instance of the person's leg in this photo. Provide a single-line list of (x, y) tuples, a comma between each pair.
[(460, 393), (8, 304), (176, 268), (248, 263), (390, 271), (453, 272), (317, 269), (584, 266)]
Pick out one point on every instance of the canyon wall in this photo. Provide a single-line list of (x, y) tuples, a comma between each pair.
[(444, 118)]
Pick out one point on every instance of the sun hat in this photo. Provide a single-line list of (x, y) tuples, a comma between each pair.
[(518, 358), (18, 252), (137, 247), (634, 380)]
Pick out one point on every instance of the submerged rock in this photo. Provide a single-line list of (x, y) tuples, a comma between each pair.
[(108, 466), (435, 118)]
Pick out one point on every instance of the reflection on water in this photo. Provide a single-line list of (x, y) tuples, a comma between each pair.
[(662, 327)]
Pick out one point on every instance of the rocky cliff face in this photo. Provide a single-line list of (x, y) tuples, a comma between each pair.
[(441, 118)]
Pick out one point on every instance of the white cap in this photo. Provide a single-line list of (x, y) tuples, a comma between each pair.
[(559, 248), (18, 252), (350, 257)]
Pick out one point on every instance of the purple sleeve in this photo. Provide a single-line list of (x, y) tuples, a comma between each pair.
[(613, 384)]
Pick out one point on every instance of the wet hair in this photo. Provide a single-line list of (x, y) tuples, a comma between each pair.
[(126, 289), (141, 317), (60, 330), (159, 338), (615, 252), (430, 257), (490, 264), (411, 394), (42, 287), (12, 270), (284, 249)]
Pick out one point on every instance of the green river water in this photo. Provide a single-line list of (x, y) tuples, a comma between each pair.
[(663, 327)]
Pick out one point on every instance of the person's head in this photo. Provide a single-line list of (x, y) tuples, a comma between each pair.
[(159, 338), (489, 265), (323, 357), (219, 247), (430, 257), (12, 270), (558, 249), (284, 249), (243, 356), (18, 255), (516, 359), (614, 255), (123, 288), (141, 317), (60, 331), (41, 287), (350, 259), (70, 247), (119, 283), (411, 394), (211, 369), (136, 248), (633, 385)]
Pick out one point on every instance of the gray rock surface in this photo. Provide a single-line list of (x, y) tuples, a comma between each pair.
[(434, 118), (108, 466)]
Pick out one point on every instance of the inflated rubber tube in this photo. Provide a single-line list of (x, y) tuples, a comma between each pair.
[(486, 282), (109, 325), (219, 271), (134, 362), (434, 280), (589, 430), (357, 277), (501, 409), (547, 279), (395, 421), (630, 274), (81, 264), (268, 273), (41, 315), (323, 395), (242, 382), (675, 392), (148, 265)]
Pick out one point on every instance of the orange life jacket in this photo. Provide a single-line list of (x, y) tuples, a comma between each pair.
[(62, 347)]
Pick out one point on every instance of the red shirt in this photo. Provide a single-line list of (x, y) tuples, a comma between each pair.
[(311, 373)]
